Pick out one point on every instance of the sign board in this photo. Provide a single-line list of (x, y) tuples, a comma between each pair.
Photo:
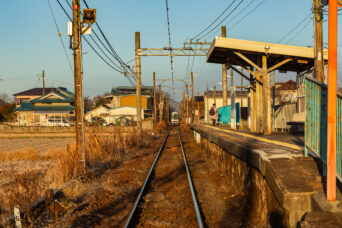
[(199, 98), (17, 218)]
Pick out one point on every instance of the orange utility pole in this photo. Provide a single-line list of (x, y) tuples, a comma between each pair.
[(332, 100)]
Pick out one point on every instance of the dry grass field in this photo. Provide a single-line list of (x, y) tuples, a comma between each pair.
[(30, 165), (41, 145)]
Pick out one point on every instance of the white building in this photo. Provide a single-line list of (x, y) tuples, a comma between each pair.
[(112, 115)]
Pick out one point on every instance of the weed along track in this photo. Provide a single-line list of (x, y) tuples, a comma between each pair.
[(167, 198)]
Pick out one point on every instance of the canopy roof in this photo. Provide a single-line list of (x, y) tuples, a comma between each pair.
[(223, 51)]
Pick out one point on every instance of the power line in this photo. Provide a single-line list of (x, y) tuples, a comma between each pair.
[(60, 36), (99, 55), (247, 14), (235, 8), (230, 5), (114, 53), (238, 13), (299, 31), (292, 30)]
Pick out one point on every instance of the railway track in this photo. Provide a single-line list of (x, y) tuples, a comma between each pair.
[(161, 203)]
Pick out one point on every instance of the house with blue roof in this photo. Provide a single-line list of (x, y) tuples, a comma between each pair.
[(56, 108)]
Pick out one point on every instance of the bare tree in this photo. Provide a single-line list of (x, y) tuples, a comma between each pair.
[(5, 98)]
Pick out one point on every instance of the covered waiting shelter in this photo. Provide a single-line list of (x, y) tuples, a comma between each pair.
[(260, 59)]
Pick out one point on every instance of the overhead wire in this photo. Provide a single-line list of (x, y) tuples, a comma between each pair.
[(211, 30), (235, 8), (204, 30), (238, 13), (60, 36), (299, 31), (295, 27), (247, 14), (114, 53), (92, 47)]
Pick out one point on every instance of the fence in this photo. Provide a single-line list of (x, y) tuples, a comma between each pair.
[(316, 106), (225, 114)]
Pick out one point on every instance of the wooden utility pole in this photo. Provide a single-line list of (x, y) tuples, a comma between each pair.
[(273, 99), (252, 102), (187, 103), (259, 101), (215, 94), (318, 18), (79, 123), (267, 115), (198, 109), (138, 81), (224, 72), (154, 100), (43, 78), (192, 98), (161, 104)]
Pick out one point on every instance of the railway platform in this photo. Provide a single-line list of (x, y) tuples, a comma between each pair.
[(296, 181)]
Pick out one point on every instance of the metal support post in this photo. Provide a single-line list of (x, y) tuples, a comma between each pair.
[(138, 80), (154, 100)]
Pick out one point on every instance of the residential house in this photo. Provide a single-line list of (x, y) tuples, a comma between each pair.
[(122, 105), (56, 108), (30, 94), (125, 96), (112, 115)]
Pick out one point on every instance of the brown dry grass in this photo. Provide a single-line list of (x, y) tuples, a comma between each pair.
[(161, 126), (27, 154), (26, 187), (184, 126)]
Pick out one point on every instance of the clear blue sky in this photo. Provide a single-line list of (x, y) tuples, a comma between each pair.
[(29, 41)]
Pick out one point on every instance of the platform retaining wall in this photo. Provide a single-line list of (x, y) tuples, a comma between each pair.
[(274, 198), (261, 206)]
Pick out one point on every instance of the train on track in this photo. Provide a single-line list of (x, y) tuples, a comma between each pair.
[(174, 118)]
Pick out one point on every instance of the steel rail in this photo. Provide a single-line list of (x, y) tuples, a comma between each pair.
[(198, 213), (129, 220)]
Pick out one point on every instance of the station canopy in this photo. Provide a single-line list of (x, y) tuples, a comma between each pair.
[(232, 51)]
